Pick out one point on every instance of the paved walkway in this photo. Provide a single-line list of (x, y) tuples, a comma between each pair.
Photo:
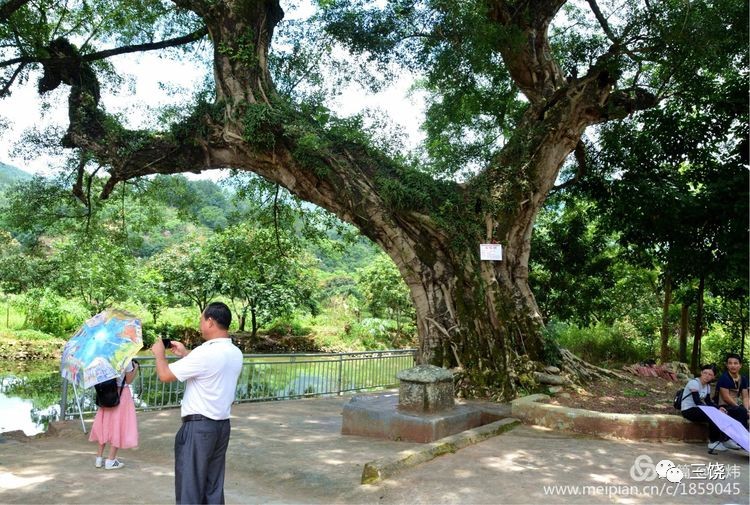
[(291, 452)]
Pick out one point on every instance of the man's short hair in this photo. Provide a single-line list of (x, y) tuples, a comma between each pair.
[(733, 355), (220, 313)]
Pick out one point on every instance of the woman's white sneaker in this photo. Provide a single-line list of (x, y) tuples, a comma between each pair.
[(716, 446), (115, 464), (731, 444), (98, 462)]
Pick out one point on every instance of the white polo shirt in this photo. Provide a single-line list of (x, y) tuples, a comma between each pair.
[(210, 374)]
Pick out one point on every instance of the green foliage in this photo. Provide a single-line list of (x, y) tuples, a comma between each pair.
[(264, 274), (241, 50), (165, 330), (199, 202), (41, 206), (35, 335), (385, 291), (571, 269), (186, 317), (718, 342), (619, 343), (261, 123), (551, 349), (96, 269), (634, 393), (47, 312), (187, 120), (190, 272), (375, 333), (42, 388), (150, 290), (280, 327)]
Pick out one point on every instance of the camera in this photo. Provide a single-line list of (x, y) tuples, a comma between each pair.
[(167, 343)]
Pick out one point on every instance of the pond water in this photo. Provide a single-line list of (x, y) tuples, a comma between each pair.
[(29, 396)]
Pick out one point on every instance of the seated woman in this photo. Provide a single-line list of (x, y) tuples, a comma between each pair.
[(732, 390), (698, 392)]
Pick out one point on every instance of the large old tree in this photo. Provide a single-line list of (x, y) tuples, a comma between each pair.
[(513, 87)]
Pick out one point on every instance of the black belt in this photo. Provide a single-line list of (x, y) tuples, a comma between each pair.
[(195, 417)]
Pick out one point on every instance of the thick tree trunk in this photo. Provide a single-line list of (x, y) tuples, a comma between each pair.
[(477, 316), (743, 326), (253, 323), (695, 358), (684, 331), (665, 330)]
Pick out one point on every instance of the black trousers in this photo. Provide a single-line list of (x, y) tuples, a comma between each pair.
[(738, 413), (698, 416), (200, 450)]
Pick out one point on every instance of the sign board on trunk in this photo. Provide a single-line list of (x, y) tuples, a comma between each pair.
[(491, 252)]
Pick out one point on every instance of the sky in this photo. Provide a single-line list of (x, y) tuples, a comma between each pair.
[(150, 78)]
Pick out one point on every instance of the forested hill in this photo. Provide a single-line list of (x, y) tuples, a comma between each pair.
[(10, 174)]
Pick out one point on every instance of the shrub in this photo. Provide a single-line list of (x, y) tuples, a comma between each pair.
[(282, 327), (47, 312), (371, 333), (618, 343), (185, 334), (717, 343)]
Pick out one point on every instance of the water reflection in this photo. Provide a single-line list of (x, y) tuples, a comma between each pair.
[(29, 396), (20, 414)]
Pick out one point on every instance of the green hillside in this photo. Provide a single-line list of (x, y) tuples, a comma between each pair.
[(10, 174)]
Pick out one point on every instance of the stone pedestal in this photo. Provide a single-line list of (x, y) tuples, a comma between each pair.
[(425, 388), (423, 411)]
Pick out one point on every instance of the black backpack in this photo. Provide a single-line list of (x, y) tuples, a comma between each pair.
[(107, 394), (677, 402)]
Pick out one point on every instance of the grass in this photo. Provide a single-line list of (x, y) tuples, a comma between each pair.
[(10, 317), (634, 393)]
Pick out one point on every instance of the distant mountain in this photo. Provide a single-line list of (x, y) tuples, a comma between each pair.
[(10, 174)]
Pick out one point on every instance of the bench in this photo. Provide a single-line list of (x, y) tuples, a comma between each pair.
[(531, 410)]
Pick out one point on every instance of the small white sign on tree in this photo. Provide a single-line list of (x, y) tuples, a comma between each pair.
[(491, 252)]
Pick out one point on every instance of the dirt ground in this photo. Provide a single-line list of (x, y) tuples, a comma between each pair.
[(292, 452), (650, 395)]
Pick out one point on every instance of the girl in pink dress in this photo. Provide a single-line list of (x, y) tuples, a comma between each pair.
[(116, 426)]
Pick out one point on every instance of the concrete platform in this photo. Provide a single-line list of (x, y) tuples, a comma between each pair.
[(379, 416), (292, 452), (532, 410)]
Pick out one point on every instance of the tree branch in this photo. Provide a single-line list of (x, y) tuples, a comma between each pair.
[(617, 42), (5, 91), (100, 55), (178, 41), (531, 63), (580, 155), (8, 8), (622, 103), (603, 21)]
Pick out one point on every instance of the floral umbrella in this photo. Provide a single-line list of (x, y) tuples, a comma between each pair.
[(102, 348)]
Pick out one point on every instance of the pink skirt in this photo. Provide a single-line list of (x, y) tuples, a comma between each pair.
[(117, 426)]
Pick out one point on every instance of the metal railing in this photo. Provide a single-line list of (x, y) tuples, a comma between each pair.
[(266, 377)]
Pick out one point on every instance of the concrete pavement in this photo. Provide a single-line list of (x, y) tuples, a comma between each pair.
[(292, 452)]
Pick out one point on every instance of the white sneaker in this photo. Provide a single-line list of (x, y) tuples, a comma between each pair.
[(98, 462), (115, 464), (716, 446), (731, 444)]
